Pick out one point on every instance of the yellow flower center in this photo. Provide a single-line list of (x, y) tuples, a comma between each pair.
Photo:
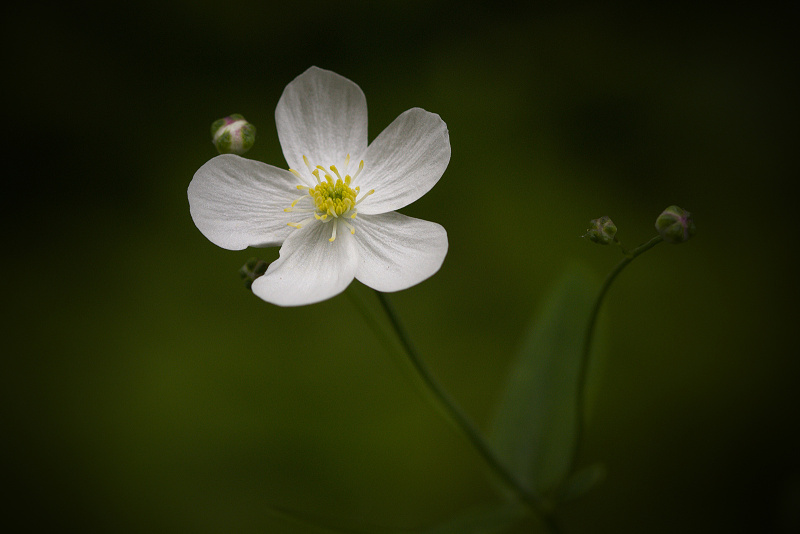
[(331, 200), (334, 198)]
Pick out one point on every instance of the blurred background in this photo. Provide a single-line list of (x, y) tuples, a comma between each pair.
[(145, 390)]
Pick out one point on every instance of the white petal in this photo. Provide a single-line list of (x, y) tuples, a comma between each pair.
[(310, 268), (396, 251), (321, 115), (238, 202), (405, 161)]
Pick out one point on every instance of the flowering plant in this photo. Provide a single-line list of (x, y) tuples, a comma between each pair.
[(343, 226)]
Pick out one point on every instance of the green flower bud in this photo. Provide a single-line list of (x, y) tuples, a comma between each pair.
[(252, 270), (233, 135), (601, 231), (675, 225)]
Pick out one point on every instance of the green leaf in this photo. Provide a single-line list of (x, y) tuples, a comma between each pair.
[(488, 519), (310, 521), (535, 423), (580, 482)]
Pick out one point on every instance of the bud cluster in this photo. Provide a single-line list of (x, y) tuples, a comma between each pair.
[(674, 225)]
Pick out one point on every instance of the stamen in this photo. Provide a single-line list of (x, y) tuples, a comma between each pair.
[(295, 201), (368, 193), (360, 167), (346, 162), (296, 173), (333, 233), (349, 227), (300, 224), (336, 171), (305, 160)]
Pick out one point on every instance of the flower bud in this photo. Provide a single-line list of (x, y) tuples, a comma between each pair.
[(233, 135), (675, 225), (601, 231), (251, 270)]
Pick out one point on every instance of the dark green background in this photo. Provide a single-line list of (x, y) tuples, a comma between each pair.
[(144, 390)]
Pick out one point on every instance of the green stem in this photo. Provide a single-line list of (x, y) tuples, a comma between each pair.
[(588, 339), (461, 420)]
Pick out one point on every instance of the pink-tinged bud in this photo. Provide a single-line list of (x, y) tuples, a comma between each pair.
[(601, 231), (233, 135), (675, 225)]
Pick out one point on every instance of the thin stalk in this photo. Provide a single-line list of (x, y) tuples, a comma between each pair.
[(589, 337), (461, 420)]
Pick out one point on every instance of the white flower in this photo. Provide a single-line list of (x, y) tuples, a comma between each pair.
[(333, 210)]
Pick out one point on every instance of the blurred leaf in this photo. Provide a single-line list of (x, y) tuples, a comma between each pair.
[(322, 525), (535, 423), (482, 520), (580, 482), (487, 519)]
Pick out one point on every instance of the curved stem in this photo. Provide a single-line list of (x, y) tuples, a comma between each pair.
[(461, 420), (589, 337)]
